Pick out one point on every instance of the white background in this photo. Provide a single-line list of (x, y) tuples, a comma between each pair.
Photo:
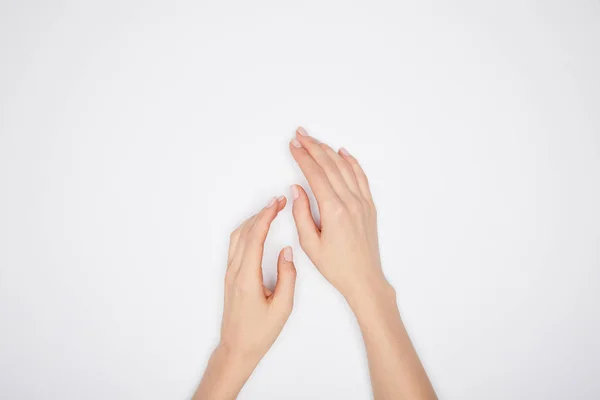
[(134, 136)]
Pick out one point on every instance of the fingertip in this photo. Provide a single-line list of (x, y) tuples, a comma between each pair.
[(271, 202), (301, 131), (288, 254), (281, 202), (295, 192), (300, 203), (295, 144), (298, 192), (268, 213), (342, 151), (286, 270), (276, 203), (286, 277), (307, 141)]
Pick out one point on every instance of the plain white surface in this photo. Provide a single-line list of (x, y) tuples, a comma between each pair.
[(134, 136)]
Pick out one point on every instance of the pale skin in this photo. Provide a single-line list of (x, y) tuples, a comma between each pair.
[(344, 248)]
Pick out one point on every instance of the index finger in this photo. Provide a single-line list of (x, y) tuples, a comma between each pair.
[(316, 177), (255, 236)]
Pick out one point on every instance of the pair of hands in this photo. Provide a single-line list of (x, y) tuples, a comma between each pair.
[(344, 249)]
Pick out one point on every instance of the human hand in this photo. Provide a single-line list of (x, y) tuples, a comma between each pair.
[(253, 316), (345, 248)]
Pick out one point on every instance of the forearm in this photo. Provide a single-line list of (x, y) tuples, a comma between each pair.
[(395, 368), (224, 377)]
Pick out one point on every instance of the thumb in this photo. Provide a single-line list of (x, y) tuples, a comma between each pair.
[(308, 233), (283, 297)]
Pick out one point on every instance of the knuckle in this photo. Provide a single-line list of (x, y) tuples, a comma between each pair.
[(331, 203), (234, 235), (338, 210)]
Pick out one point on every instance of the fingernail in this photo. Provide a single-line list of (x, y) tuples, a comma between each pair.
[(295, 192), (281, 198), (344, 151), (271, 202), (287, 254), (296, 143), (302, 131)]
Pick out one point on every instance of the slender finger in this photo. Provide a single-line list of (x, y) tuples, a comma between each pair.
[(238, 252), (255, 237), (283, 296), (326, 163), (361, 177), (280, 203), (314, 174), (345, 169), (308, 233)]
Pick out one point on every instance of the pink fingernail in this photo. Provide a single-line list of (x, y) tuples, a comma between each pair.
[(295, 192), (302, 131), (287, 254), (271, 202), (296, 143), (344, 151), (281, 198)]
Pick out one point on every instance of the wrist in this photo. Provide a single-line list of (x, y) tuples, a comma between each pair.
[(371, 298), (224, 377), (226, 374), (235, 360)]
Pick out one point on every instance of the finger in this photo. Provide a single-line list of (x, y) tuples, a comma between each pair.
[(361, 177), (308, 233), (240, 235), (345, 169), (326, 163), (283, 296), (314, 174), (254, 239)]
